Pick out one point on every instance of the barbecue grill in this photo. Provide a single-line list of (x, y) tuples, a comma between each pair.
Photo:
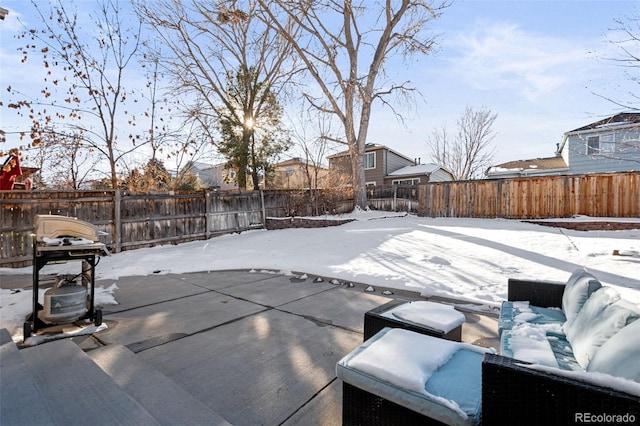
[(60, 239)]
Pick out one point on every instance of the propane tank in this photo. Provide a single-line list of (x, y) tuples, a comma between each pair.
[(65, 302)]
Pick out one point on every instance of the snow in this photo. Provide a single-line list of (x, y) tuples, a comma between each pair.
[(435, 315), (600, 379), (36, 340), (529, 342), (387, 358), (461, 258)]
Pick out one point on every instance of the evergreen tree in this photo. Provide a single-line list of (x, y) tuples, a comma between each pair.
[(250, 146)]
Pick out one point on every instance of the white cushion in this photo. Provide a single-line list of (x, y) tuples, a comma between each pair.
[(620, 355), (434, 315), (579, 287), (602, 316)]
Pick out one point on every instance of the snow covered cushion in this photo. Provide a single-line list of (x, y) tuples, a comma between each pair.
[(398, 365), (602, 316), (528, 343), (434, 315), (513, 314), (579, 287), (620, 355)]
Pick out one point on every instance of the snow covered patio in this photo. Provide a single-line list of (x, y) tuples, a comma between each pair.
[(253, 347)]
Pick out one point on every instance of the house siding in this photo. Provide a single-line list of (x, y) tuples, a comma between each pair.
[(340, 164), (440, 175), (293, 175), (395, 162), (625, 158), (376, 175), (387, 161)]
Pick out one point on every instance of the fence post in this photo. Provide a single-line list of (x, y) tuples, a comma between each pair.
[(264, 212), (395, 198), (207, 218), (117, 220)]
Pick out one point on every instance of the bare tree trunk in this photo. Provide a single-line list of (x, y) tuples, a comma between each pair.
[(345, 59)]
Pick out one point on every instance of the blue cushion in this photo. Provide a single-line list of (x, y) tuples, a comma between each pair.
[(579, 287), (620, 355), (460, 380), (563, 352)]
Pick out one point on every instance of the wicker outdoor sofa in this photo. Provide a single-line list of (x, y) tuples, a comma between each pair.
[(546, 396), (507, 390)]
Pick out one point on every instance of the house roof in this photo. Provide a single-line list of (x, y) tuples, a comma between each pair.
[(297, 161), (620, 120), (529, 166), (624, 118), (368, 148), (419, 169)]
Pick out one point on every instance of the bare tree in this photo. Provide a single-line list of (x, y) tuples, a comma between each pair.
[(470, 151), (210, 42), (89, 76), (627, 44), (344, 45)]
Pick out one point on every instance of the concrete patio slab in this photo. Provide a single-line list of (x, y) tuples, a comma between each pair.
[(258, 370), (324, 409), (341, 307), (72, 373), (255, 347), (181, 316), (169, 403), (216, 280), (134, 292), (277, 290)]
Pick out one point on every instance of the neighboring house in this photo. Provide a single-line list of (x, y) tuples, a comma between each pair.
[(609, 145), (379, 162), (215, 176), (419, 173), (534, 167), (295, 174)]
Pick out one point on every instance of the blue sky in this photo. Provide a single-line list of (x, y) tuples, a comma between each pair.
[(537, 64)]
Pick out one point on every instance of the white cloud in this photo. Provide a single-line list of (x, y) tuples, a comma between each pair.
[(503, 56)]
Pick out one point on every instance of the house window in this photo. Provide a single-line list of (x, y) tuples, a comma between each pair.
[(602, 144), (370, 184), (405, 182), (593, 145), (369, 160), (607, 144)]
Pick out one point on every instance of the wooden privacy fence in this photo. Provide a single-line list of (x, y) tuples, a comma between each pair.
[(140, 220), (396, 198), (598, 195)]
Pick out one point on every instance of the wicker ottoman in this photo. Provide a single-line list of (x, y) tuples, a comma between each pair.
[(399, 377), (442, 320)]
